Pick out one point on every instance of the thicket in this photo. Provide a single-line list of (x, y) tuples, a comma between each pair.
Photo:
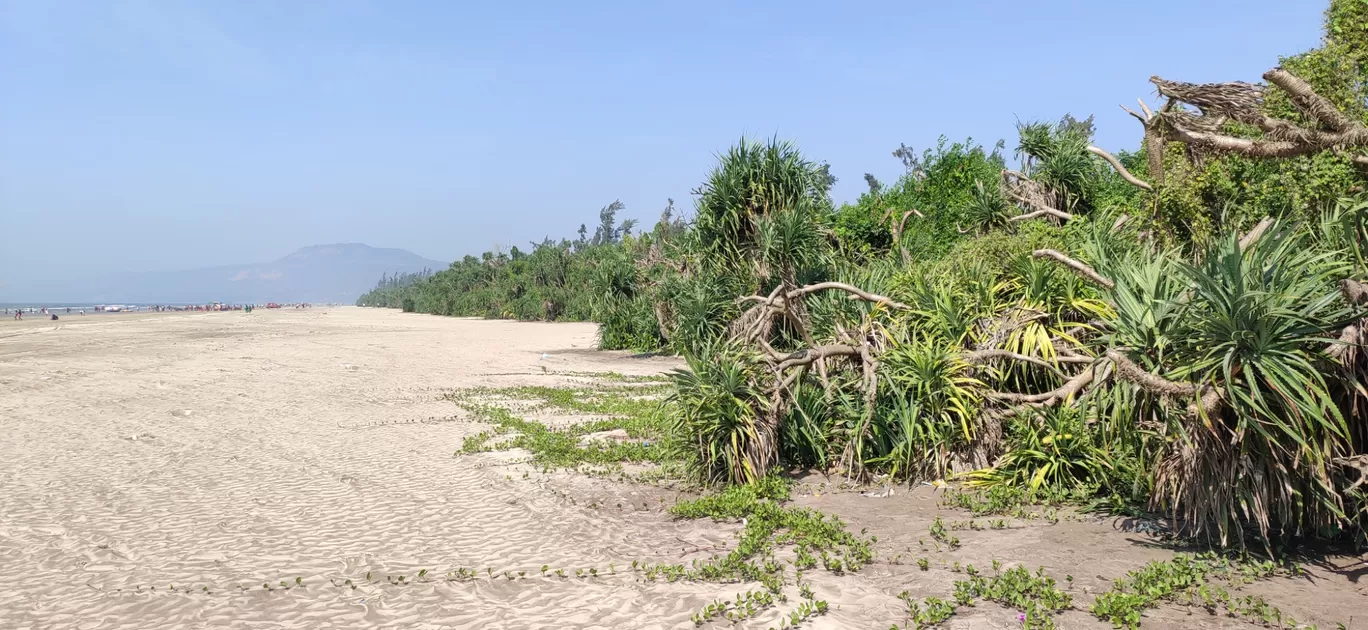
[(1178, 327)]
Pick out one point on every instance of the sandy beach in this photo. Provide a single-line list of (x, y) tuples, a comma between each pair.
[(199, 453)]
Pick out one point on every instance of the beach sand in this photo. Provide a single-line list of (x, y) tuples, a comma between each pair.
[(212, 451)]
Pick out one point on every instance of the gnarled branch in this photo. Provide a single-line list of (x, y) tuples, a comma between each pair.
[(1030, 194), (808, 355), (1153, 383), (1069, 389), (1154, 138), (1243, 102), (1207, 405), (984, 356), (1242, 146), (1078, 267)]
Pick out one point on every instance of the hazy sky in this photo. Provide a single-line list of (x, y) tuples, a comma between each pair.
[(160, 135)]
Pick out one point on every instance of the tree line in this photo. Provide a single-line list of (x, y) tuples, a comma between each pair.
[(1177, 328)]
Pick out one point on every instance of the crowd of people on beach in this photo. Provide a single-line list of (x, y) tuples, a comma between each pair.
[(19, 312), (157, 308)]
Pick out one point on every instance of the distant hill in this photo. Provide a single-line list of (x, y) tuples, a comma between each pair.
[(320, 273)]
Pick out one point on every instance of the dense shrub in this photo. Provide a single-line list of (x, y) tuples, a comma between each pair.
[(1071, 325)]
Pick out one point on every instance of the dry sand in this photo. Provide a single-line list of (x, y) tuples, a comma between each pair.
[(223, 449)]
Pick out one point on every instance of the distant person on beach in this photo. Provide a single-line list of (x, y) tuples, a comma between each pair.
[(18, 313), (54, 317)]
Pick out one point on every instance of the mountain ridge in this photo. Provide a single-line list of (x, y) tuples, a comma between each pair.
[(333, 272)]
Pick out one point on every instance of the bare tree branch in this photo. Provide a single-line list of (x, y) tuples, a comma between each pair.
[(1143, 120), (1059, 214), (1309, 101), (855, 293), (1148, 112), (1031, 195), (1120, 170), (1243, 146), (896, 226), (1254, 234), (984, 356), (1078, 267), (1069, 389)]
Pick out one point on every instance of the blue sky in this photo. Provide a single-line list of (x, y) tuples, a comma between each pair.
[(161, 135)]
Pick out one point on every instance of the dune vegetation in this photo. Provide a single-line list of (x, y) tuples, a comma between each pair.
[(1177, 329)]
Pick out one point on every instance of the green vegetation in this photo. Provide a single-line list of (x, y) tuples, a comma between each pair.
[(1176, 329), (815, 537), (746, 606), (1034, 595), (590, 278), (633, 408), (1196, 581)]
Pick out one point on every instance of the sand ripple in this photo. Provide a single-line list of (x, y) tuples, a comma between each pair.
[(235, 450)]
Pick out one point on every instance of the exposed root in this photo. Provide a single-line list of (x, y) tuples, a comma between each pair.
[(807, 356)]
